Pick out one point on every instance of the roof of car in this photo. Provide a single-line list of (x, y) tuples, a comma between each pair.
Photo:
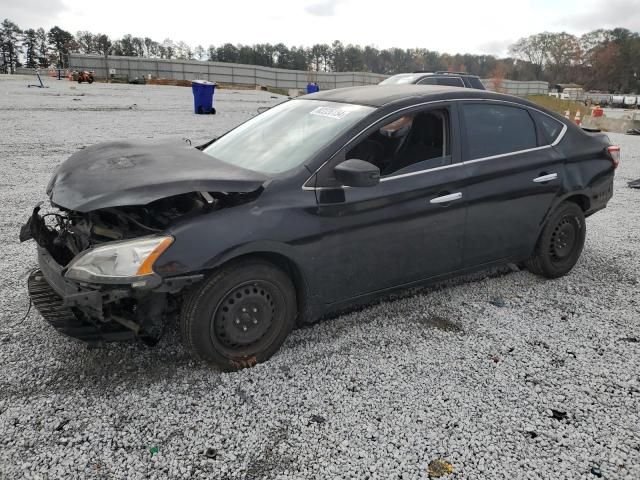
[(380, 95)]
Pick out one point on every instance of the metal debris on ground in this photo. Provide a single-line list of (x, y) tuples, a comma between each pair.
[(441, 323), (596, 471), (498, 302), (317, 419), (630, 339), (558, 415), (634, 183), (211, 453), (439, 468)]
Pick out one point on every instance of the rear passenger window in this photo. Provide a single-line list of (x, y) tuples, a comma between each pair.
[(451, 81), (476, 83), (550, 127), (496, 129), (448, 81)]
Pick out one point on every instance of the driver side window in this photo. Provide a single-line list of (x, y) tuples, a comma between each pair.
[(416, 138)]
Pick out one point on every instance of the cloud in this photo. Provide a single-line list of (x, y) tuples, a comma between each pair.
[(325, 8), (604, 14), (33, 13), (498, 48)]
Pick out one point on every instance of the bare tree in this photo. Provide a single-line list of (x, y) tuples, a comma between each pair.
[(534, 49), (86, 42), (103, 44), (199, 53)]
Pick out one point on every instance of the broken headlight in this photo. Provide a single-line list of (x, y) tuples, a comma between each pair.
[(119, 262)]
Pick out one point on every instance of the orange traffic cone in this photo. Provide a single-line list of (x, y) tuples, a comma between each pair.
[(577, 118)]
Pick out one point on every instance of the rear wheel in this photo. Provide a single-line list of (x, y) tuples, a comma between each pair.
[(560, 245), (240, 316)]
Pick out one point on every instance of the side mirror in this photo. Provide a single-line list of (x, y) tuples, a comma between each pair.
[(357, 173)]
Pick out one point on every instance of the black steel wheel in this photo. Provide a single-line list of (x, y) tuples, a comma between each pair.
[(240, 316), (561, 242)]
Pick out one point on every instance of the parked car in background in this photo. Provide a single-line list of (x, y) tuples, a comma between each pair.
[(318, 204), (451, 79)]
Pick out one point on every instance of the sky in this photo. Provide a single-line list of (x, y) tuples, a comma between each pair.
[(461, 26)]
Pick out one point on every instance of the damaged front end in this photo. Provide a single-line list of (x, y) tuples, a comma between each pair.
[(112, 206), (95, 279)]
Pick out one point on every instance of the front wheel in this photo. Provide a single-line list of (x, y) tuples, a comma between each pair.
[(240, 315), (561, 242)]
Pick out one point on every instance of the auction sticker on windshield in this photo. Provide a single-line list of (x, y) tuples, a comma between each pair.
[(331, 112)]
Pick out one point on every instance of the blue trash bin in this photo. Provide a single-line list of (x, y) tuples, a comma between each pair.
[(203, 96), (312, 88)]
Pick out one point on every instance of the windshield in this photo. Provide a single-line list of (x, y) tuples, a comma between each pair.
[(286, 135), (402, 79)]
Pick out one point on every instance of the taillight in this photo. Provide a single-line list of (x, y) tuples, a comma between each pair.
[(614, 153)]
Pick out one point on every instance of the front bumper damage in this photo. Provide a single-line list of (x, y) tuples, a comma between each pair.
[(103, 313)]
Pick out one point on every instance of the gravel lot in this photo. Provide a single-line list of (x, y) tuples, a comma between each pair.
[(503, 375)]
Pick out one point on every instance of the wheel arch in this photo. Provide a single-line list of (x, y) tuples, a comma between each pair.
[(579, 199), (286, 264)]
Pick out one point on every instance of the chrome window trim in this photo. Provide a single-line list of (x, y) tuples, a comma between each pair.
[(419, 172), (562, 132), (466, 162), (500, 155)]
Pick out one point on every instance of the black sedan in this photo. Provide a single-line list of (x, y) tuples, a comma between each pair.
[(316, 205)]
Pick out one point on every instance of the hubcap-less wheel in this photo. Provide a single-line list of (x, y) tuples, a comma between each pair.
[(240, 315), (244, 315), (560, 243), (243, 319), (563, 239)]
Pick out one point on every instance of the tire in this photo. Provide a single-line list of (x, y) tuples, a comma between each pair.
[(79, 80), (240, 315), (561, 242), (90, 80)]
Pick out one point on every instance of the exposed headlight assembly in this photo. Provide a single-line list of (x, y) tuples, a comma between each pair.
[(128, 261)]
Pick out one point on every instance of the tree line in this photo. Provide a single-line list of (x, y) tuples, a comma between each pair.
[(607, 60)]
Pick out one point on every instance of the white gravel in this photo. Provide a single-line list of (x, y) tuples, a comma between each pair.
[(504, 375)]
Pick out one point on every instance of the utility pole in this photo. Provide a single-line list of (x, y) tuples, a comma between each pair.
[(106, 67)]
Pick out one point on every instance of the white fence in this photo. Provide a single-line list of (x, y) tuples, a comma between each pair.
[(251, 75), (230, 73), (514, 87)]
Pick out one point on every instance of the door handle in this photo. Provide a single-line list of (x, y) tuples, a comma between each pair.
[(545, 178), (447, 198)]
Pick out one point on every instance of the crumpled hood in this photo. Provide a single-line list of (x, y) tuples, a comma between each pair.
[(113, 174)]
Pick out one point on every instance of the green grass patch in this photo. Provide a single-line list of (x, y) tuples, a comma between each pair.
[(560, 106)]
